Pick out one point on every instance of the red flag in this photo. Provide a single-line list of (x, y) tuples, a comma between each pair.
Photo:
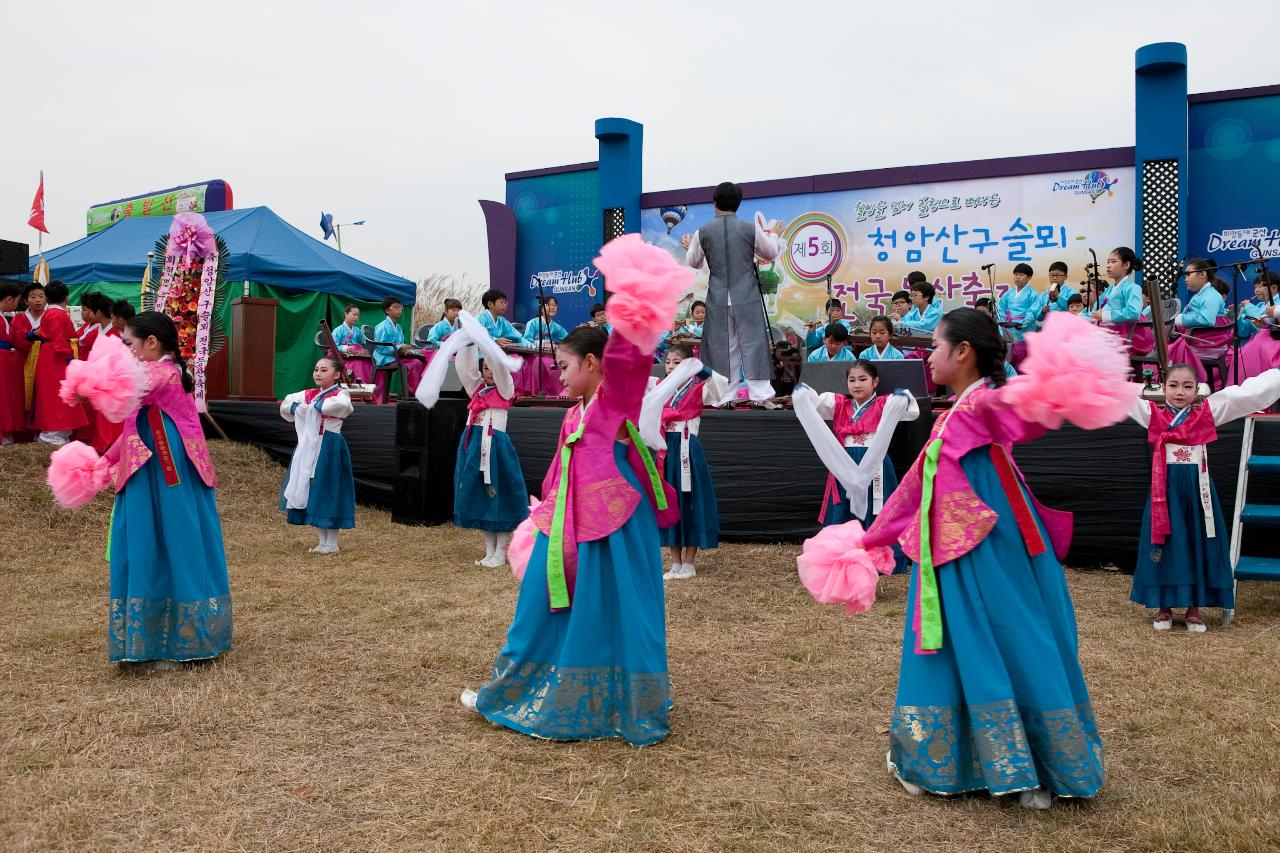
[(37, 209)]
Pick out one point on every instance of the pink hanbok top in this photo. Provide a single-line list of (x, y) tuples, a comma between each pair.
[(165, 392), (959, 521)]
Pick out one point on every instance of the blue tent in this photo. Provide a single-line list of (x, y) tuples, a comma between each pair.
[(263, 249), (309, 280)]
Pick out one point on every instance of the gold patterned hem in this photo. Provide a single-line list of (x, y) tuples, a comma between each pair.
[(143, 629), (999, 748), (559, 703)]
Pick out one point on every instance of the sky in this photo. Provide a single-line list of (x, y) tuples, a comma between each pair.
[(403, 114)]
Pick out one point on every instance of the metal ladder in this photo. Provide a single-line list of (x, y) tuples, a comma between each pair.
[(1261, 514)]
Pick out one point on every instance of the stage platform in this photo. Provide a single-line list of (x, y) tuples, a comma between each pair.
[(769, 483)]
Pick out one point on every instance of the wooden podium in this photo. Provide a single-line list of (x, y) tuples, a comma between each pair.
[(253, 349)]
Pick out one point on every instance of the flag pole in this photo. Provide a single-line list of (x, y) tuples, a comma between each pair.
[(41, 273)]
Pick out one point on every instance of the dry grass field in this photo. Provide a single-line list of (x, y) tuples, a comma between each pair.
[(334, 723)]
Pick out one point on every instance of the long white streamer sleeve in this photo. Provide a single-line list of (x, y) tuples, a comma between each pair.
[(308, 424), (855, 477), (428, 392), (499, 362), (656, 398)]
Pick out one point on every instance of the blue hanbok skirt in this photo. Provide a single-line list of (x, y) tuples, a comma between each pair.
[(839, 511), (1189, 569), (1002, 706), (499, 505), (170, 598), (598, 669), (331, 503), (699, 525)]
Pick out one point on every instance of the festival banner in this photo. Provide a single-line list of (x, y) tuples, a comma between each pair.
[(868, 240), (195, 198)]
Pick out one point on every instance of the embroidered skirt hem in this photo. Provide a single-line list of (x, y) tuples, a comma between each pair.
[(599, 668)]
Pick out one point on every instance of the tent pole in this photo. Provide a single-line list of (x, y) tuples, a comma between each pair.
[(216, 426)]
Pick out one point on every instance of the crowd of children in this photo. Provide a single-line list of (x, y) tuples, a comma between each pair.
[(38, 339), (989, 650)]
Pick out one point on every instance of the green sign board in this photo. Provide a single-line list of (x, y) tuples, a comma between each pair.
[(180, 200)]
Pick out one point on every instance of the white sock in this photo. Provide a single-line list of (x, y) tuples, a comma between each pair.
[(490, 543), (500, 552), (331, 538), (320, 531)]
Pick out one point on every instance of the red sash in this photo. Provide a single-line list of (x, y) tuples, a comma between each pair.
[(163, 453), (1017, 501), (1198, 429)]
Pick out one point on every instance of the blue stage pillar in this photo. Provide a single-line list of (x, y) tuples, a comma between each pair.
[(1160, 160), (621, 157)]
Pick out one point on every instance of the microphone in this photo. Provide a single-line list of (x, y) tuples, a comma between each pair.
[(987, 266)]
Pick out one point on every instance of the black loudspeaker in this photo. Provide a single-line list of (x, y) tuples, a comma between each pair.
[(14, 258), (426, 448)]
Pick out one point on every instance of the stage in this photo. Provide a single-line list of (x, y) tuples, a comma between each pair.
[(769, 482)]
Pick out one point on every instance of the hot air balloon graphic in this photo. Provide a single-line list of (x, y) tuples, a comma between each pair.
[(1098, 184), (673, 216)]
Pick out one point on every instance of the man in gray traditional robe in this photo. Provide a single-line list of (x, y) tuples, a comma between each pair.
[(735, 342)]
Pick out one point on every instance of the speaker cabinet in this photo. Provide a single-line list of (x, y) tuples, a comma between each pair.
[(426, 449)]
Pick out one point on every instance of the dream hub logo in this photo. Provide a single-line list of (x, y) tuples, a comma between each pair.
[(567, 281), (1259, 241), (1095, 185)]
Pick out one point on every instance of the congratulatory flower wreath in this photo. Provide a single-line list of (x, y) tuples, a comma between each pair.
[(192, 289)]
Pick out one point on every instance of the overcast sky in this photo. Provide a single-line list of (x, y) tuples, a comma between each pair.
[(403, 114)]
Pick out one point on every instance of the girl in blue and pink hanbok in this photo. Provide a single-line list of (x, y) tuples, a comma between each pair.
[(489, 492), (677, 403), (856, 419), (991, 696), (319, 489), (1184, 557), (170, 597), (586, 656)]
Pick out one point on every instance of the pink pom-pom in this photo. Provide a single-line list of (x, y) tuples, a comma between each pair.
[(836, 568), (521, 544), (646, 284), (76, 474), (112, 379), (1073, 371)]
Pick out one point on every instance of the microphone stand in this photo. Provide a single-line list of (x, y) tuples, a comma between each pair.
[(1235, 327), (991, 287)]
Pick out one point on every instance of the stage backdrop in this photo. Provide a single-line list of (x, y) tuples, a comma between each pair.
[(560, 227), (1235, 172), (869, 239)]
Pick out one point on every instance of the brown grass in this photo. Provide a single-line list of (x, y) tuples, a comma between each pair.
[(334, 723)]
